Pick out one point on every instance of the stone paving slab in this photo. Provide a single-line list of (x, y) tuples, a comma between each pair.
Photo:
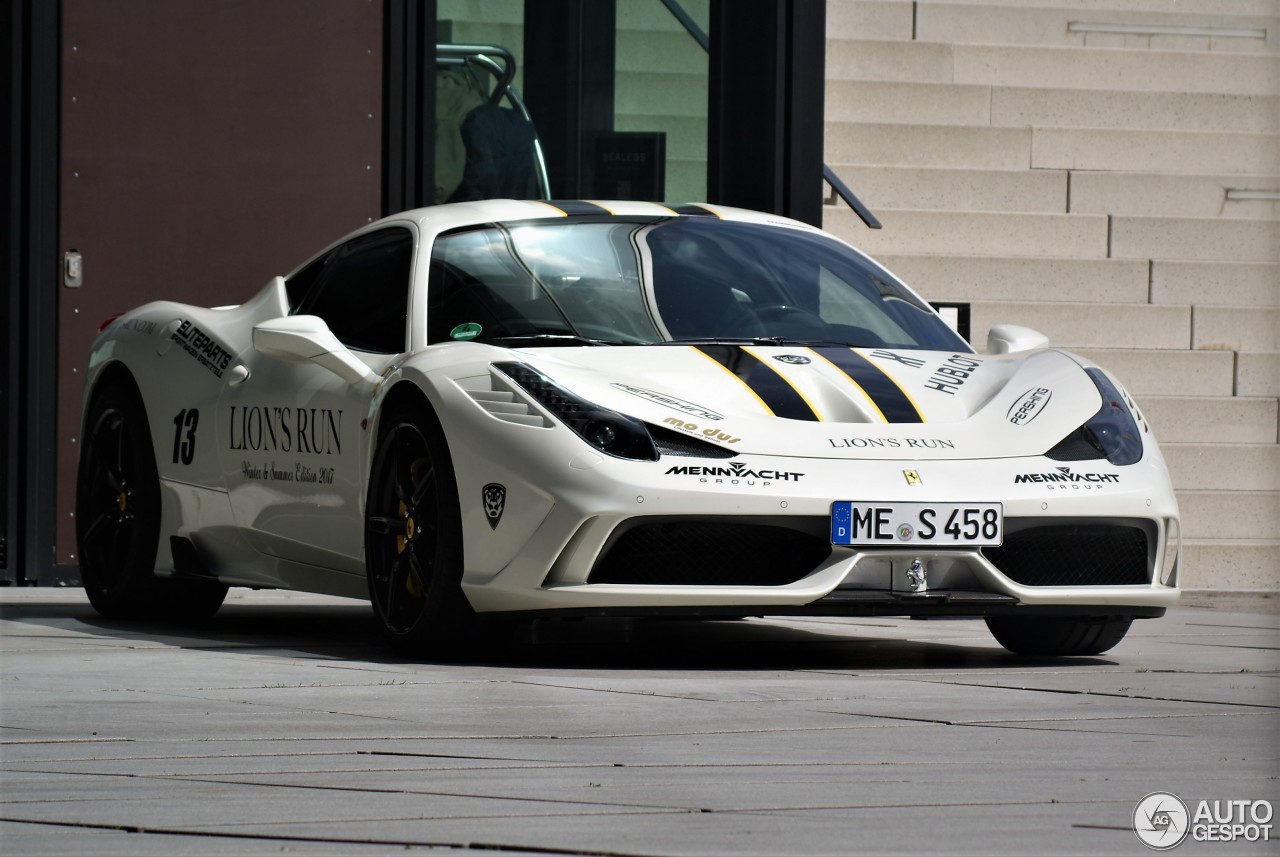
[(284, 726)]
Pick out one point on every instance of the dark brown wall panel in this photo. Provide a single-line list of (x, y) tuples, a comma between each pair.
[(206, 146)]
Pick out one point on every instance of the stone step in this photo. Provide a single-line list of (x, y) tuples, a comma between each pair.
[(1167, 373), (935, 188), (1018, 24), (1098, 69), (1082, 325), (1251, 329), (871, 19), (1257, 374), (1020, 106), (1208, 466), (1211, 420), (985, 278), (1194, 238), (907, 103), (1203, 152), (670, 50), (1168, 195), (976, 233), (1218, 8), (1245, 284), (894, 144), (650, 92), (1166, 111), (1230, 565), (1227, 514), (686, 135)]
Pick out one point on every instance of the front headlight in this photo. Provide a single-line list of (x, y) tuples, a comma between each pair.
[(1111, 433), (607, 431)]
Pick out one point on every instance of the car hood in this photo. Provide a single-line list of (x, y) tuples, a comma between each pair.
[(836, 401)]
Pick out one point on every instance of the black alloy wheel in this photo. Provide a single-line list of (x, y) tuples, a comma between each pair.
[(1059, 635), (413, 538), (118, 517)]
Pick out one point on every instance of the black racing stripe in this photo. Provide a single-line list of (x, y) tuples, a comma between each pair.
[(577, 206), (779, 396), (691, 209), (882, 389)]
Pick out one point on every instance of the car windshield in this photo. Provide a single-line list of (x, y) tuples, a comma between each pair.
[(690, 279)]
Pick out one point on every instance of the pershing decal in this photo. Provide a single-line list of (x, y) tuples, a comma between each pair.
[(1029, 406), (671, 402), (494, 499)]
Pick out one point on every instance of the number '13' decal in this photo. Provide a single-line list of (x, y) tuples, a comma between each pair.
[(184, 436)]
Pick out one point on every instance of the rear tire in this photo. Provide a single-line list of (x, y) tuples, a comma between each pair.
[(413, 537), (118, 517), (1059, 635)]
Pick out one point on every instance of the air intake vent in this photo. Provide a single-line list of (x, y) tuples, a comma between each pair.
[(671, 442), (505, 406), (1074, 555)]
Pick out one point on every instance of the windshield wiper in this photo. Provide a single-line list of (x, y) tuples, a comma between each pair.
[(547, 339)]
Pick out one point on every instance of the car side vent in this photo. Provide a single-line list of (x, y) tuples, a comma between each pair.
[(1075, 447), (504, 405), (669, 442)]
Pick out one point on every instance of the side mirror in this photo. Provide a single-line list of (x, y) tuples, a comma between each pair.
[(1012, 338), (307, 339)]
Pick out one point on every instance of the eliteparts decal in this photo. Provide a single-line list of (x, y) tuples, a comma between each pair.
[(734, 474), (670, 402), (1029, 406), (202, 347)]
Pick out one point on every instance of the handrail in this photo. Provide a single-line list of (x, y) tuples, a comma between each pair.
[(840, 188)]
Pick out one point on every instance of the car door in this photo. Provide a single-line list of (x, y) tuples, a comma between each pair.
[(291, 433)]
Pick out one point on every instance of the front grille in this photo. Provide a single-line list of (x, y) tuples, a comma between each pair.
[(1073, 555), (686, 552)]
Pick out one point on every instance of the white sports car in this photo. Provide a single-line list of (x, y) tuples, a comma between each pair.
[(526, 409)]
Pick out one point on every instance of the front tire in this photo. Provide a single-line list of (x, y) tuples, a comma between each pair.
[(413, 537), (1059, 635), (118, 517)]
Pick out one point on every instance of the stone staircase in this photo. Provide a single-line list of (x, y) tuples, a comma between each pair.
[(1105, 171)]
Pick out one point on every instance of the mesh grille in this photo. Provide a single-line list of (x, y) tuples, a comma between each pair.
[(709, 553), (671, 442), (1073, 555)]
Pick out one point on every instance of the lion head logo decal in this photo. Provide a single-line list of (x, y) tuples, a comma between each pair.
[(494, 497)]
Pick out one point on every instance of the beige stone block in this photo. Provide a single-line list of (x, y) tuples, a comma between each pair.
[(1168, 373), (973, 233), (1230, 566), (1042, 191), (1246, 284), (1212, 419), (1082, 325), (1169, 111), (870, 19), (1117, 69), (969, 278), (1199, 152), (921, 104), (1195, 238), (1257, 374), (1247, 515), (1254, 329), (1218, 466), (901, 62), (928, 146), (1167, 195)]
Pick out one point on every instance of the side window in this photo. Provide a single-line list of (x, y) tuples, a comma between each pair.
[(361, 290)]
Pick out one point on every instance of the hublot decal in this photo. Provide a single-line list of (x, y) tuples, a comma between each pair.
[(952, 374), (315, 431)]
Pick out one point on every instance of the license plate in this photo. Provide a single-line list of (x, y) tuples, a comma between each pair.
[(921, 524)]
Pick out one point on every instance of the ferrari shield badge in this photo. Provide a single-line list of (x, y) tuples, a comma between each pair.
[(494, 497)]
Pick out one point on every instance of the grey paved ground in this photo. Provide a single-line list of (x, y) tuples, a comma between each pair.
[(284, 727)]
